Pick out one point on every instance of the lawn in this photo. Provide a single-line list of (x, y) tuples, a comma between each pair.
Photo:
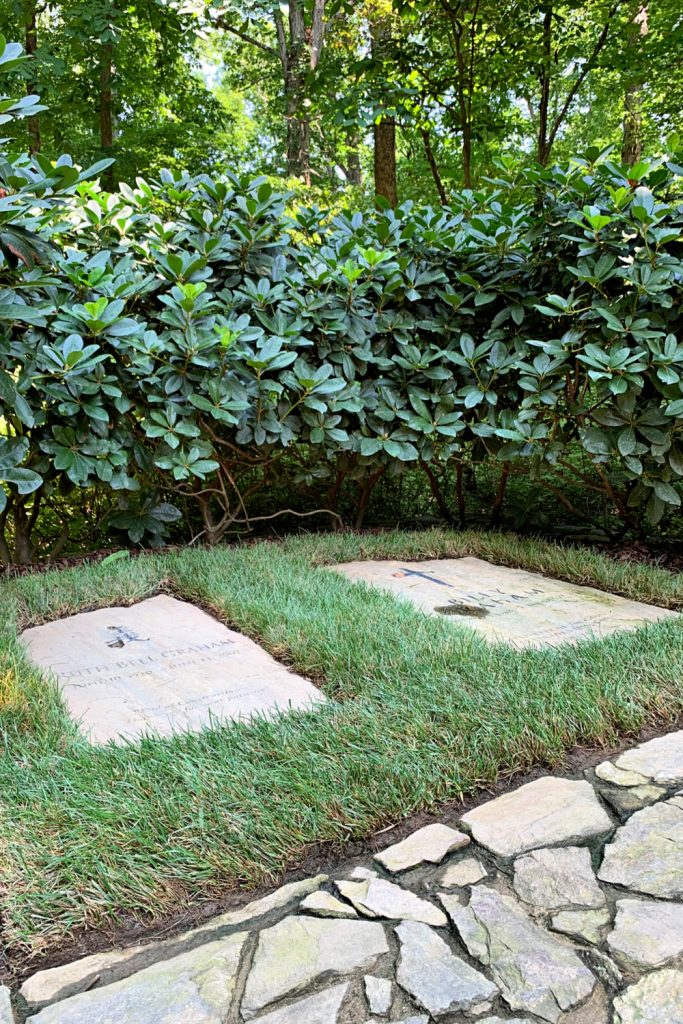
[(421, 710)]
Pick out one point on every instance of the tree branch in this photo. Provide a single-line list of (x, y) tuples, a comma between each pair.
[(433, 166), (283, 51), (270, 50), (587, 68)]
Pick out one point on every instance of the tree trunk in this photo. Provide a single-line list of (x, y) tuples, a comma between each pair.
[(543, 148), (433, 166), (31, 45), (106, 109), (384, 132), (23, 548), (354, 172), (632, 141), (298, 57), (298, 127), (385, 160)]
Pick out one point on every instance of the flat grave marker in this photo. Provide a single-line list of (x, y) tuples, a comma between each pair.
[(521, 608), (162, 665)]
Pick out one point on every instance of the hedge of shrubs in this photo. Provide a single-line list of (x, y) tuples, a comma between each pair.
[(197, 337)]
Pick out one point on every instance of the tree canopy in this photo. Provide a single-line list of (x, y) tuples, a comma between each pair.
[(407, 98)]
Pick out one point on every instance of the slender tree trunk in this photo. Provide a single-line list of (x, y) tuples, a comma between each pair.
[(433, 166), (354, 171), (23, 548), (543, 149), (632, 141), (547, 132), (464, 49), (31, 45), (106, 109), (384, 132)]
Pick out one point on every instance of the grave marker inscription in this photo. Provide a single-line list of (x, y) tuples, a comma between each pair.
[(521, 608), (163, 666)]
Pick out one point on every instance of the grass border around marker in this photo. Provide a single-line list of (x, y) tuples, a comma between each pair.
[(421, 711)]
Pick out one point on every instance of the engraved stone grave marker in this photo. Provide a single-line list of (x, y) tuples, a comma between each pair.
[(163, 666), (522, 608)]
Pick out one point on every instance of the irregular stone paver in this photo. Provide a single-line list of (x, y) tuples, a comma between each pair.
[(61, 982), (506, 1020), (55, 983), (557, 877), (660, 760), (647, 933), (608, 772), (361, 872), (646, 853), (546, 812), (6, 1016), (321, 1008), (420, 1019), (298, 950), (632, 799), (324, 904), (448, 984), (655, 999), (467, 871), (378, 992), (428, 845), (583, 924), (536, 972), (376, 897), (195, 988)]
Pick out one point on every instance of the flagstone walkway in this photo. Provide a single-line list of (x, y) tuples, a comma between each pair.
[(560, 902)]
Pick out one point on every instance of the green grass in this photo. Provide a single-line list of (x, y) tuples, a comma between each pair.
[(421, 711)]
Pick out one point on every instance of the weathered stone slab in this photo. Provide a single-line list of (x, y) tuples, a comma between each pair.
[(609, 772), (647, 933), (467, 871), (507, 1020), (324, 904), (429, 845), (160, 666), (582, 924), (378, 992), (550, 879), (298, 950), (536, 972), (655, 999), (376, 897), (646, 854), (195, 988), (659, 760), (419, 1019), (546, 812), (632, 798), (441, 982), (56, 983), (321, 1008), (522, 608), (6, 1016)]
